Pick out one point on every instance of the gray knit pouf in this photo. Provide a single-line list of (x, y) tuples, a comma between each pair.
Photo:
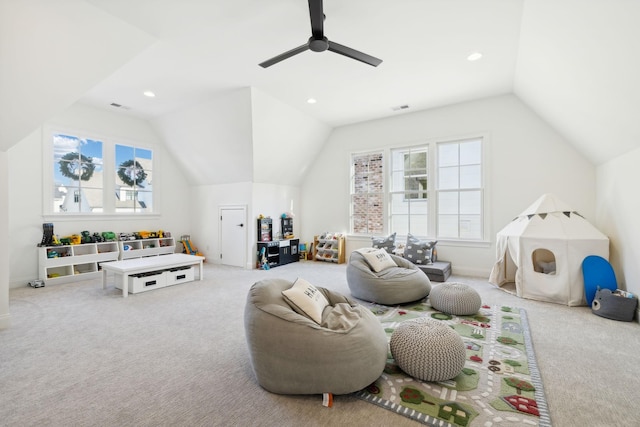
[(455, 298), (428, 349)]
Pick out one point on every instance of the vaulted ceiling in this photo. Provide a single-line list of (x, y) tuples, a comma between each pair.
[(573, 62)]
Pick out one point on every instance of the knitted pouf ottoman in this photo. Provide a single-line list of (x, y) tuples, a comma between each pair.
[(455, 298), (428, 349)]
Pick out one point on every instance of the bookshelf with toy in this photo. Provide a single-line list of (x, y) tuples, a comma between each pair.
[(67, 263), (329, 247), (79, 256)]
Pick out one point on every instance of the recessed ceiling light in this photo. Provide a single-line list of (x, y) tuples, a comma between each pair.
[(474, 56), (149, 94), (311, 101)]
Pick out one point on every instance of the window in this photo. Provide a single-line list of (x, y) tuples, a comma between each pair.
[(134, 183), (460, 189), (408, 198), (77, 174), (84, 173), (435, 190), (367, 196)]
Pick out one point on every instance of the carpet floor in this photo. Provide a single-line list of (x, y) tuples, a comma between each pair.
[(80, 355)]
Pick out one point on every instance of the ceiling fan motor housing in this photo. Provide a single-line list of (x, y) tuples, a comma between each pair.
[(318, 45)]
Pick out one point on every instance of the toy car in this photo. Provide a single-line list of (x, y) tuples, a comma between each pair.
[(36, 283)]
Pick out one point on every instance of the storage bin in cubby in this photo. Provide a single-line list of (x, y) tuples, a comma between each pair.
[(145, 281), (179, 275)]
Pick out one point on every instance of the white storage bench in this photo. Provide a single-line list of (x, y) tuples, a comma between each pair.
[(144, 274)]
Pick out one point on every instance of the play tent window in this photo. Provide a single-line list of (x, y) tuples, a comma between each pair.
[(543, 261)]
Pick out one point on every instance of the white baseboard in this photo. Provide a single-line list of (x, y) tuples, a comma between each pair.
[(469, 272), (5, 321)]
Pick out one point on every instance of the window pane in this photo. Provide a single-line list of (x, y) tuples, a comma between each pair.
[(134, 183), (470, 226), (470, 202), (367, 183), (448, 178), (400, 224), (447, 155), (470, 176), (145, 201), (471, 152), (92, 200), (419, 225), (77, 174), (399, 204), (447, 226), (69, 199), (409, 183), (460, 212), (448, 202), (397, 181)]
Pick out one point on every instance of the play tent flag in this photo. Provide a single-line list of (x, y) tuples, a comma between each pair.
[(542, 250)]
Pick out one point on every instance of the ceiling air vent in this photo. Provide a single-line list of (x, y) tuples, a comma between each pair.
[(400, 107), (116, 105)]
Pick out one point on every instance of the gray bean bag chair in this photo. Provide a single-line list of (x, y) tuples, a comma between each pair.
[(292, 354), (394, 285)]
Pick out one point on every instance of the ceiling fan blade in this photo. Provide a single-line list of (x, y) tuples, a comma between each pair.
[(317, 18), (283, 56), (354, 54)]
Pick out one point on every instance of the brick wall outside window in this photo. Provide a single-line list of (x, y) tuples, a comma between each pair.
[(367, 197)]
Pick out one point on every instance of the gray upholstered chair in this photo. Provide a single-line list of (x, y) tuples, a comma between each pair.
[(292, 354), (395, 285)]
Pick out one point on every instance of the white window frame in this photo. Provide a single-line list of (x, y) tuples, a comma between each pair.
[(432, 188), (438, 190), (109, 175), (417, 148)]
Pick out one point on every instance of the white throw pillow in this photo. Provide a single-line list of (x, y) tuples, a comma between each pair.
[(379, 259), (306, 299)]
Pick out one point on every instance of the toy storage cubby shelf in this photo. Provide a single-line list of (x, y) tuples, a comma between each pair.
[(146, 247), (68, 263), (75, 262), (329, 247)]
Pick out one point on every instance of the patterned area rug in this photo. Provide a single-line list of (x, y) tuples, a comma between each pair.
[(499, 386)]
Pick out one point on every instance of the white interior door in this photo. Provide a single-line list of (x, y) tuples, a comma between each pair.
[(233, 235)]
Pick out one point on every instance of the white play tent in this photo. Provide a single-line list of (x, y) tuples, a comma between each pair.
[(542, 251)]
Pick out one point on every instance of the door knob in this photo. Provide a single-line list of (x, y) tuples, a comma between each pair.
[(240, 225)]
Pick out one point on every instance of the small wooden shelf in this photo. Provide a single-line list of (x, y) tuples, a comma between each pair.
[(329, 247)]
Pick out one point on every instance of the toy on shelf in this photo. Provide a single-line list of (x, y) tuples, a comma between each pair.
[(286, 226), (47, 234), (109, 236), (263, 263), (189, 248)]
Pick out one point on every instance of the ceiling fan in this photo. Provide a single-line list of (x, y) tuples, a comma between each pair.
[(319, 43)]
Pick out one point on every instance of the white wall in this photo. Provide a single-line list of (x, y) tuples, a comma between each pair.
[(270, 200), (617, 216), (285, 140), (5, 250), (205, 215), (526, 159), (26, 186), (212, 140)]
